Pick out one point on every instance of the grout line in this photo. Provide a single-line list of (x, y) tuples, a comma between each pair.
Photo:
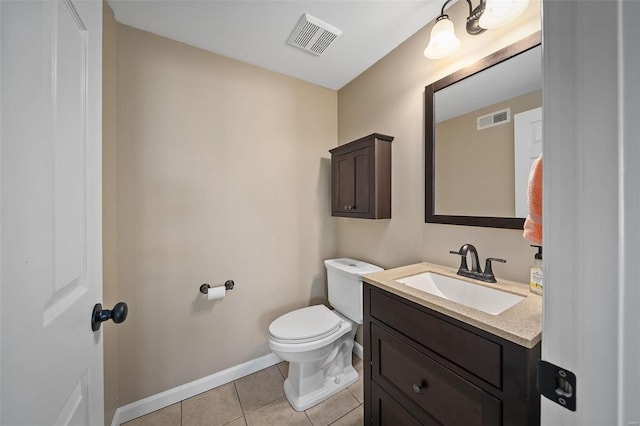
[(345, 415), (239, 401), (244, 417), (270, 401), (308, 418), (236, 419), (281, 372), (266, 403)]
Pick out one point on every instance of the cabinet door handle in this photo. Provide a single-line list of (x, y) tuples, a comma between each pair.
[(418, 388)]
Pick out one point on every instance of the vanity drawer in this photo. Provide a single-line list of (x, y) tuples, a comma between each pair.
[(477, 355), (446, 397)]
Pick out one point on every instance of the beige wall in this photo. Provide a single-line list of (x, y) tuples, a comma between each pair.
[(475, 172), (389, 98), (109, 267), (222, 173)]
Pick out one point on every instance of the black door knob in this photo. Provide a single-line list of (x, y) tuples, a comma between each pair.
[(118, 314)]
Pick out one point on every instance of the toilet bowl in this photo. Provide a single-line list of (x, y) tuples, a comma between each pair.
[(320, 359), (318, 342)]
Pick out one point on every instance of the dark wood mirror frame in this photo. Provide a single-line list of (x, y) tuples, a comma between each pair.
[(487, 221)]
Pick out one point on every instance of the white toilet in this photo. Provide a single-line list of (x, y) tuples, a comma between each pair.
[(317, 341)]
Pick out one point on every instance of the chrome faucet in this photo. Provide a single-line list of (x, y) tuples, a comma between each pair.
[(475, 271)]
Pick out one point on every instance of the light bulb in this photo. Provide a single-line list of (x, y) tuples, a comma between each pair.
[(500, 12), (443, 41)]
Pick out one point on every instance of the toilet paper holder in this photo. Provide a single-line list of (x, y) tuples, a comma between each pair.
[(228, 285)]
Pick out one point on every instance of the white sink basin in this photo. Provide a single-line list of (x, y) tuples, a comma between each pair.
[(485, 299)]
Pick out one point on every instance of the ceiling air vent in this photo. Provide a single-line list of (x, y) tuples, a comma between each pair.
[(494, 119), (313, 35)]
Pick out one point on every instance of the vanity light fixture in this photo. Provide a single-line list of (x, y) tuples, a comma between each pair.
[(488, 14)]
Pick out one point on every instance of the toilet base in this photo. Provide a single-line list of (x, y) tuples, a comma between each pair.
[(332, 385), (319, 369)]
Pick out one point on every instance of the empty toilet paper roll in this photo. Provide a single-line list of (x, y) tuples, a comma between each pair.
[(215, 293)]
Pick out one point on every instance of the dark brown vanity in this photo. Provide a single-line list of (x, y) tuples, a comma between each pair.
[(425, 367)]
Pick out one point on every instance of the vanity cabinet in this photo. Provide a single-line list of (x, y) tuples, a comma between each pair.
[(361, 178), (423, 367)]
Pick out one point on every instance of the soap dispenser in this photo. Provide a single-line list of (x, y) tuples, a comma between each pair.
[(535, 279)]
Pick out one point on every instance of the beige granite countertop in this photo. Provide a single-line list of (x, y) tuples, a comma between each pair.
[(521, 324)]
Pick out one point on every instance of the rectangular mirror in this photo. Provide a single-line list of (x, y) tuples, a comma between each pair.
[(483, 129)]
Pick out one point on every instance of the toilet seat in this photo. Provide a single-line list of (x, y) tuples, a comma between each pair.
[(304, 325)]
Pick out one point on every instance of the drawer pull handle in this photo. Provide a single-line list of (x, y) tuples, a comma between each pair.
[(418, 388)]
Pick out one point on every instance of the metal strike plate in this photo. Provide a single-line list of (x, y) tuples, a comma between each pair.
[(557, 384)]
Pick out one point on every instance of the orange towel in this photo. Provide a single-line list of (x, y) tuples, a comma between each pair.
[(533, 222)]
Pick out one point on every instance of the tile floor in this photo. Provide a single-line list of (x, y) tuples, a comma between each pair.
[(258, 399)]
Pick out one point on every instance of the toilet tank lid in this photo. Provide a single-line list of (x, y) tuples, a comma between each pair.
[(356, 268)]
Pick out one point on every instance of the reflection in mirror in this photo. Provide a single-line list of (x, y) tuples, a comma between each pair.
[(483, 131), (475, 139)]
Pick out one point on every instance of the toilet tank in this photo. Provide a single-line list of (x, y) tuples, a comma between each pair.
[(344, 282)]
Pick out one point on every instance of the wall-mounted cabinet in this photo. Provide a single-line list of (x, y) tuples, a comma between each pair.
[(361, 178)]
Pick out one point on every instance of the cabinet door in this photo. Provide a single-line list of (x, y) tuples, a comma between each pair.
[(387, 411), (344, 183), (362, 185), (351, 183)]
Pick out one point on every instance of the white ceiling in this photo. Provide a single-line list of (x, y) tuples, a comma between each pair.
[(256, 31)]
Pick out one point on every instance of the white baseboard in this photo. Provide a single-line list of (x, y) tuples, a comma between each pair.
[(357, 350), (179, 393)]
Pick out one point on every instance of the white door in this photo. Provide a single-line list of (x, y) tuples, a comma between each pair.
[(591, 208), (527, 146), (50, 199)]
